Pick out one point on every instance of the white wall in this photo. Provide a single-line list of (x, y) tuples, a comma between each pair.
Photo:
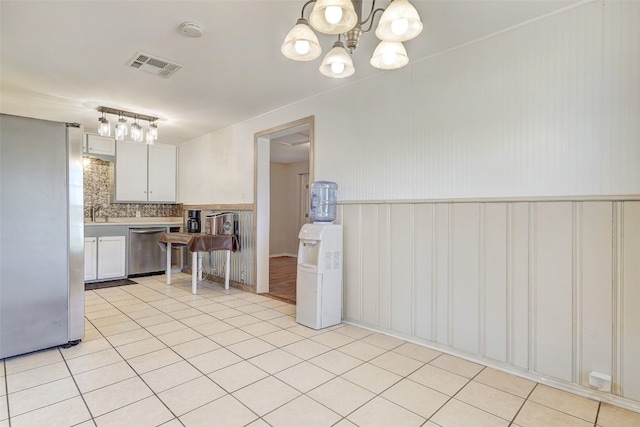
[(548, 109), (285, 207)]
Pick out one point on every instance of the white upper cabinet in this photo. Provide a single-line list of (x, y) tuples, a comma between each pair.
[(145, 173), (131, 172), (100, 145), (162, 173)]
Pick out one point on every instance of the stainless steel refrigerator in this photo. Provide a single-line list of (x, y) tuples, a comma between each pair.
[(41, 235)]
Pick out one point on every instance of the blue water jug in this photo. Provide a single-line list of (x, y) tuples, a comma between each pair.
[(323, 201)]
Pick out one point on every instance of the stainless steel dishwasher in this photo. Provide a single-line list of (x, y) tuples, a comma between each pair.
[(145, 254)]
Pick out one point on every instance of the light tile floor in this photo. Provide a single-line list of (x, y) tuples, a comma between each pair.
[(155, 355)]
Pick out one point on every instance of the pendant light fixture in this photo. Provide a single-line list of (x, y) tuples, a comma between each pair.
[(337, 63), (398, 22), (104, 128), (153, 130), (333, 16), (389, 56), (136, 131), (301, 44), (149, 138), (121, 129)]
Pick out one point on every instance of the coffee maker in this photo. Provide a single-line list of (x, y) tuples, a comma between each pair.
[(193, 221)]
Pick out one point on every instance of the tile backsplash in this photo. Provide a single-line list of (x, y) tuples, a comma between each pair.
[(99, 190)]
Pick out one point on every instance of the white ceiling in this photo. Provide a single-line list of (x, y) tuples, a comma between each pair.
[(61, 59)]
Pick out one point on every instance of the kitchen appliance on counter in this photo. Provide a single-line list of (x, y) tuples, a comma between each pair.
[(193, 221), (220, 223), (41, 250)]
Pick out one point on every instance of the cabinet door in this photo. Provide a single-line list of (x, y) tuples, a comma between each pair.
[(104, 145), (162, 173), (90, 258), (131, 171), (111, 257)]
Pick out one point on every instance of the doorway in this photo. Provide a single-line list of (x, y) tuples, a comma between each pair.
[(284, 160)]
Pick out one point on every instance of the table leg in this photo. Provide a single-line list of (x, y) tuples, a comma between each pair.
[(168, 272), (199, 266), (226, 270), (194, 272)]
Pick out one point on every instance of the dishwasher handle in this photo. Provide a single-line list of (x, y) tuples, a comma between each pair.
[(147, 230)]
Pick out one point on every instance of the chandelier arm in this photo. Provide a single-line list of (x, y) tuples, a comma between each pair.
[(371, 16), (305, 6)]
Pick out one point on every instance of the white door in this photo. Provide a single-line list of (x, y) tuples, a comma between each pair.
[(90, 258), (162, 173), (111, 257), (131, 171)]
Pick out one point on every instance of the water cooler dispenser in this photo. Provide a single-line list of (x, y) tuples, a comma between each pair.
[(319, 274)]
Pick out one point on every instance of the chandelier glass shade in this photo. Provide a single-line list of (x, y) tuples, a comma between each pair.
[(301, 44), (337, 63), (333, 16), (398, 22), (153, 131), (104, 129), (389, 56), (136, 132), (121, 129)]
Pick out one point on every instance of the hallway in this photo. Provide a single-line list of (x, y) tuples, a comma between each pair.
[(282, 278)]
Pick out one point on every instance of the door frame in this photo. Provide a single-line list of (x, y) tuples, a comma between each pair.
[(261, 194)]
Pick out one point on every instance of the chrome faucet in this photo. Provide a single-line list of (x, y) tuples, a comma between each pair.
[(94, 210)]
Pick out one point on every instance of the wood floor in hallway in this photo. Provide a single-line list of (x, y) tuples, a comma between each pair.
[(282, 277)]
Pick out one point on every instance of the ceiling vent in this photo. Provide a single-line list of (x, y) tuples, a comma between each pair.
[(147, 63)]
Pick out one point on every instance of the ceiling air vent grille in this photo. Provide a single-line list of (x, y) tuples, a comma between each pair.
[(151, 65)]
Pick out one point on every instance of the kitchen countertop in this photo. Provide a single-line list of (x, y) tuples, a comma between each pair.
[(143, 221)]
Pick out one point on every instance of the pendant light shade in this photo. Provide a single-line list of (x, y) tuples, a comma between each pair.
[(399, 22), (337, 63), (389, 56), (136, 132), (104, 128), (301, 44), (333, 16), (149, 137), (121, 128), (153, 131)]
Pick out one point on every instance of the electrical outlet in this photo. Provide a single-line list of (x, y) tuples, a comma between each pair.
[(600, 381), (242, 277)]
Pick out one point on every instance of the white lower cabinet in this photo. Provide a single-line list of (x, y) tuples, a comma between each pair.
[(104, 257), (90, 258), (111, 257)]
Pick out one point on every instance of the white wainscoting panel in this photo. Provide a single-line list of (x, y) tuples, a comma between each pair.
[(442, 275), (517, 257), (424, 272), (594, 293), (546, 287), (629, 302), (402, 294), (493, 287), (370, 271), (354, 257), (464, 280), (552, 289)]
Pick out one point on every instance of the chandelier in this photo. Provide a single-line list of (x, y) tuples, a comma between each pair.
[(121, 129), (399, 22)]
